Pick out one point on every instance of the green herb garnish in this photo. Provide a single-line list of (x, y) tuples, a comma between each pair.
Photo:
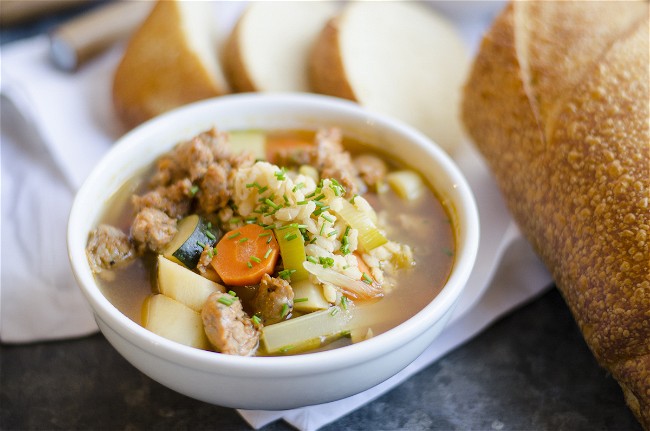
[(286, 273)]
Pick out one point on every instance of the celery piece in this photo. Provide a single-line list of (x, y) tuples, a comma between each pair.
[(249, 140), (292, 250), (406, 183), (171, 319), (305, 331), (308, 297), (369, 236)]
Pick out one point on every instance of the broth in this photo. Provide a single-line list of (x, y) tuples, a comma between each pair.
[(423, 224)]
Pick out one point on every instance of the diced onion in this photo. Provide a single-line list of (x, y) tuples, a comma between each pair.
[(353, 289)]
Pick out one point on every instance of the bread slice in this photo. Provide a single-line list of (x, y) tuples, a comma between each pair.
[(269, 47), (399, 58), (170, 60)]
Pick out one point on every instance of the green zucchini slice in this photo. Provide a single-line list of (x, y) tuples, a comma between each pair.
[(187, 245)]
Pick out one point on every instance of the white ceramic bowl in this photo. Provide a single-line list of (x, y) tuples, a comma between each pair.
[(272, 382)]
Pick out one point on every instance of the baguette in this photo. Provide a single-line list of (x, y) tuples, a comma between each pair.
[(557, 103), (269, 46), (399, 58), (169, 61)]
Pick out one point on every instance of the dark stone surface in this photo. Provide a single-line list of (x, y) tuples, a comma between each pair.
[(529, 371)]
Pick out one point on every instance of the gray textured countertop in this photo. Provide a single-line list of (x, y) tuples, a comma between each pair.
[(530, 370)]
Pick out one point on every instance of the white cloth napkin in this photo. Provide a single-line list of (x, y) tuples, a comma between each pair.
[(56, 126), (54, 131)]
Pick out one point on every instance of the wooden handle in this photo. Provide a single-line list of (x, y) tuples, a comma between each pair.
[(79, 40), (14, 12)]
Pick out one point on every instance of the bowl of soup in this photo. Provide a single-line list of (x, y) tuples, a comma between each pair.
[(272, 251)]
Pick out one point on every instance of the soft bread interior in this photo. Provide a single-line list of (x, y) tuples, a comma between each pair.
[(197, 23), (404, 60), (272, 44)]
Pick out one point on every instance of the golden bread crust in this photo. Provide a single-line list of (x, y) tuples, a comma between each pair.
[(233, 60), (561, 116), (159, 71), (325, 67)]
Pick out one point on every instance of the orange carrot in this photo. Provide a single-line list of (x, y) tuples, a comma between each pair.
[(285, 145), (363, 267), (245, 254)]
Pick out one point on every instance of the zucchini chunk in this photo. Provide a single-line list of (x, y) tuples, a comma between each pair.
[(174, 321), (183, 285), (187, 245)]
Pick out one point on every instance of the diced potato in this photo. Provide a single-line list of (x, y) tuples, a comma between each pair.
[(406, 183), (174, 321), (360, 334), (309, 171), (184, 285), (249, 140), (307, 330), (308, 297)]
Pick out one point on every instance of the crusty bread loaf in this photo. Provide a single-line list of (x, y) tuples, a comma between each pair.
[(399, 58), (557, 102), (170, 60), (270, 44)]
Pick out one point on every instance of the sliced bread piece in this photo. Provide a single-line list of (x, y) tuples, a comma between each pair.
[(398, 58), (171, 60), (269, 47)]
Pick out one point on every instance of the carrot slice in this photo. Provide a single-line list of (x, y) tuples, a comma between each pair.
[(285, 145), (245, 254), (363, 267)]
